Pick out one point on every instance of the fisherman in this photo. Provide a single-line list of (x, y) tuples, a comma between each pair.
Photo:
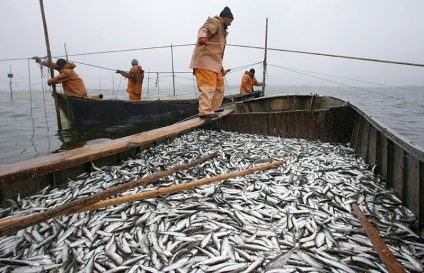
[(135, 80), (206, 63), (72, 84), (248, 81)]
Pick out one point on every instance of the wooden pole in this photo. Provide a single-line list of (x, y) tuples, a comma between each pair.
[(49, 55), (265, 58), (392, 264), (9, 226), (176, 188), (66, 51), (173, 74)]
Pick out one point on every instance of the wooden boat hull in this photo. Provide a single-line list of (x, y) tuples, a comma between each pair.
[(79, 111), (398, 162)]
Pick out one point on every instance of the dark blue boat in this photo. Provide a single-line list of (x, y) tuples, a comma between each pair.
[(79, 111)]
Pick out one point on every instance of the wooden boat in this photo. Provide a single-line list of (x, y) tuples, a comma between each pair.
[(396, 160), (79, 111)]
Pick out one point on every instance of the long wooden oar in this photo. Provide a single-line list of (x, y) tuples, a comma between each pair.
[(8, 226), (392, 264), (177, 188)]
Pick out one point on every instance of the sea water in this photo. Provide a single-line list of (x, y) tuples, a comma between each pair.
[(28, 126)]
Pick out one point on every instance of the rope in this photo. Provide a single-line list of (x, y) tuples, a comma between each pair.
[(228, 87), (32, 114), (157, 83), (243, 67), (124, 50), (328, 55), (111, 69), (43, 90), (296, 70), (117, 90), (353, 87), (242, 46)]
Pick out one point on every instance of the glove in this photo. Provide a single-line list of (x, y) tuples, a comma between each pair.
[(203, 41), (49, 84), (118, 71), (37, 59)]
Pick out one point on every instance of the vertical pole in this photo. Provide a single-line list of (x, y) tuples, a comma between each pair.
[(148, 82), (265, 56), (157, 82), (113, 84), (173, 75), (49, 55), (10, 83), (66, 52)]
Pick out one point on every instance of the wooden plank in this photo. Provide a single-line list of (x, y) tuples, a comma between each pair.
[(399, 172), (284, 131), (355, 132), (372, 147), (362, 143), (277, 124), (384, 148), (339, 122), (412, 184), (55, 162), (421, 199), (379, 153), (291, 126)]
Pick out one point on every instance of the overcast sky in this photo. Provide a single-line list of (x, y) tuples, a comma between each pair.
[(389, 30)]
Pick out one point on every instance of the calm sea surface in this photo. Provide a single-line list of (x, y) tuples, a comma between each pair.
[(28, 126)]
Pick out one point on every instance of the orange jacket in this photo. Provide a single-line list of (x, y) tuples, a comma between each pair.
[(210, 56), (135, 79), (247, 83), (72, 84)]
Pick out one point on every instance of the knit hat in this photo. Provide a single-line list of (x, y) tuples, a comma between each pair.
[(252, 70), (61, 62), (134, 61), (226, 12)]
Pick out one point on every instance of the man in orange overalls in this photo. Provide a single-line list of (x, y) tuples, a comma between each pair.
[(248, 81), (207, 63), (72, 84), (135, 80)]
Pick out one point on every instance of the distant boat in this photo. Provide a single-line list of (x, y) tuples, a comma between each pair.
[(80, 111)]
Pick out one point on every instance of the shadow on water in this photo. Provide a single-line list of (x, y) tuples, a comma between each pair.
[(82, 136)]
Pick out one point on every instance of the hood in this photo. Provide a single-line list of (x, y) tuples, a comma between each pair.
[(70, 65), (139, 68)]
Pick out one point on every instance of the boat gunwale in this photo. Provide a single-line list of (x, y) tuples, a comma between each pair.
[(391, 134)]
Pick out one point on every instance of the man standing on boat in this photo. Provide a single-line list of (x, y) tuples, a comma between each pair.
[(135, 80), (207, 63), (72, 84), (248, 81)]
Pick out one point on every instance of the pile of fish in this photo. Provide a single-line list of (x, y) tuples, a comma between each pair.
[(297, 217)]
